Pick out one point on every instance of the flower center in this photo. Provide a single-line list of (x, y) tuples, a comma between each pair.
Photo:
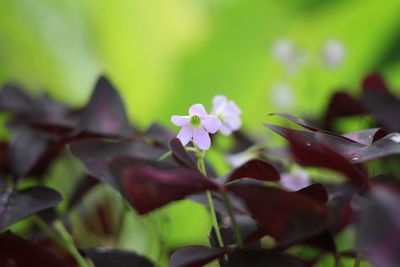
[(195, 121)]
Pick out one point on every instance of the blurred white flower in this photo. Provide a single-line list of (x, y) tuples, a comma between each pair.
[(238, 159), (289, 55), (295, 180), (228, 112), (283, 50), (333, 53), (282, 95)]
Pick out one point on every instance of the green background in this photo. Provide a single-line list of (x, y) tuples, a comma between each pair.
[(164, 55)]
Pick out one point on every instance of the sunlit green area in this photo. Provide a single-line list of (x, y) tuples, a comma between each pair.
[(165, 55)]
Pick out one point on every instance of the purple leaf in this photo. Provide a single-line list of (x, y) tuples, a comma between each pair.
[(195, 256), (181, 155), (382, 104), (16, 205), (262, 258), (286, 216), (95, 153), (378, 227), (255, 169), (342, 105), (315, 191), (149, 185), (103, 257), (16, 251), (311, 149), (105, 113)]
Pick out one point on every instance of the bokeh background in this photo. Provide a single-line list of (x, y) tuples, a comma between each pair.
[(164, 55)]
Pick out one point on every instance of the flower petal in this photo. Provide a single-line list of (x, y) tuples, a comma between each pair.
[(232, 108), (201, 138), (234, 122), (218, 102), (225, 129), (197, 110), (185, 134), (180, 120), (211, 123)]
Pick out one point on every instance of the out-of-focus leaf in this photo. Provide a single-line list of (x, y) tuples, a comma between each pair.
[(255, 169), (16, 251), (105, 113), (103, 257), (95, 153), (16, 205), (286, 216), (378, 226), (150, 184), (195, 256)]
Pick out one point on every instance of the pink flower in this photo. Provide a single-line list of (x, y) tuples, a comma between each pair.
[(228, 112), (197, 126)]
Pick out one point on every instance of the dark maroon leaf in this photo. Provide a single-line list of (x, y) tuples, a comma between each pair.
[(16, 251), (103, 257), (105, 113), (5, 166), (255, 169), (382, 104), (26, 147), (386, 146), (378, 227), (195, 256), (94, 153), (315, 191), (16, 205), (305, 125), (374, 82), (286, 216), (149, 184), (13, 99), (262, 258), (367, 136), (159, 134), (181, 155), (342, 105), (316, 150), (83, 186)]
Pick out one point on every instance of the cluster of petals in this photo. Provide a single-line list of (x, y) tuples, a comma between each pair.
[(198, 125)]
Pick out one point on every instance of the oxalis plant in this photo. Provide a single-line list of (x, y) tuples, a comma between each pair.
[(323, 199)]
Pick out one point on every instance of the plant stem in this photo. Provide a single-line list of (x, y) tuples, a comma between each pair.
[(165, 155), (235, 228), (214, 221), (357, 260), (69, 244)]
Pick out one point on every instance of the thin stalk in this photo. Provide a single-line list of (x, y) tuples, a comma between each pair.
[(357, 261), (214, 221), (235, 228), (69, 244)]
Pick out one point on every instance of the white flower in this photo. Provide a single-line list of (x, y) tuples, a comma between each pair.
[(333, 53), (282, 95), (197, 126), (228, 112), (295, 180)]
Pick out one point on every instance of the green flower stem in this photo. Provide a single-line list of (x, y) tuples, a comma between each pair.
[(214, 221), (69, 244), (357, 260), (235, 228)]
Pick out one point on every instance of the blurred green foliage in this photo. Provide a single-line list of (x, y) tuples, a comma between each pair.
[(164, 55)]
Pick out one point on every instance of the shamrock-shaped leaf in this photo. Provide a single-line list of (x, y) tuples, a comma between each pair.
[(103, 257), (150, 184), (16, 205), (16, 251)]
